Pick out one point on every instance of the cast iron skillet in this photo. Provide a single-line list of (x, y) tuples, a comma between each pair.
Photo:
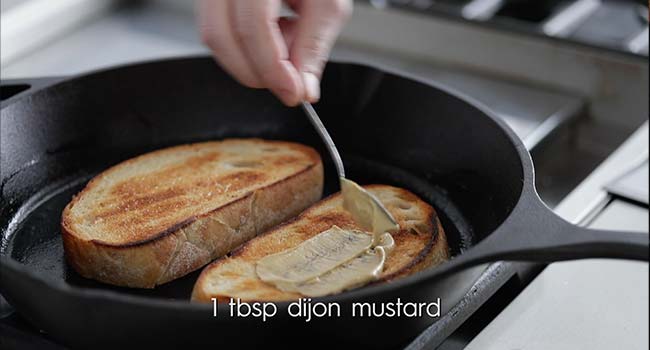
[(440, 145)]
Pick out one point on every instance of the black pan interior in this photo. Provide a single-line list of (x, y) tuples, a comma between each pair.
[(390, 130)]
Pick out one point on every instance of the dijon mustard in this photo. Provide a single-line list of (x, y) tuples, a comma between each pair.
[(336, 259)]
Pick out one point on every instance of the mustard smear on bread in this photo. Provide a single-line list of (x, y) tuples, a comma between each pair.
[(330, 262), (355, 273), (366, 209), (336, 259), (314, 257)]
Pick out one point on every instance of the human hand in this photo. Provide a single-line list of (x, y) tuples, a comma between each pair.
[(260, 49)]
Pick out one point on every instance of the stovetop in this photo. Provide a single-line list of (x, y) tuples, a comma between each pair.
[(507, 290), (619, 25), (593, 303), (571, 120)]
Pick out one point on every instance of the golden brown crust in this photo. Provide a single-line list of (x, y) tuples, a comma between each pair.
[(184, 245), (420, 243)]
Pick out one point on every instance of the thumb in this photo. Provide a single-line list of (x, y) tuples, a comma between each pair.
[(318, 26)]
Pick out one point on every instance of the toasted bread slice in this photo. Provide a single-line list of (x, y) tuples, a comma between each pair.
[(159, 216), (420, 243)]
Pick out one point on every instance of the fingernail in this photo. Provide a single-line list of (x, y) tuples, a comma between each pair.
[(312, 86)]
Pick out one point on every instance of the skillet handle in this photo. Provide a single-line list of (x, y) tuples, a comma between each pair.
[(536, 233)]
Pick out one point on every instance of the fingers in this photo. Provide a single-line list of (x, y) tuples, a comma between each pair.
[(317, 29), (218, 34), (258, 31), (288, 28), (250, 42)]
